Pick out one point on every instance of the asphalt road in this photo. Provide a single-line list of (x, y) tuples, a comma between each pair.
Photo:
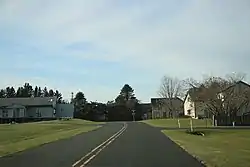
[(143, 146), (62, 153), (138, 146)]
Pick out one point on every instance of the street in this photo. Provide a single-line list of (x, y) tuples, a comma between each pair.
[(136, 144)]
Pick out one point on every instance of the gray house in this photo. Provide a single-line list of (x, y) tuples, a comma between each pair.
[(33, 108), (166, 107)]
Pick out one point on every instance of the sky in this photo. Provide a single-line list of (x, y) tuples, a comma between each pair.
[(97, 46)]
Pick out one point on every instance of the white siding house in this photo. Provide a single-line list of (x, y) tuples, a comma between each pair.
[(189, 107), (193, 108)]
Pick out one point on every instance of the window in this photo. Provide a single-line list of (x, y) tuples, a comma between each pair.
[(191, 105), (38, 113), (5, 113), (189, 112), (21, 112)]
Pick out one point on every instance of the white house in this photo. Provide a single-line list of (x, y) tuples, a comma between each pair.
[(193, 107)]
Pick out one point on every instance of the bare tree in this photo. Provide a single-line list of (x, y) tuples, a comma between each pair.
[(235, 77), (191, 83), (208, 94), (222, 96), (170, 89), (235, 98)]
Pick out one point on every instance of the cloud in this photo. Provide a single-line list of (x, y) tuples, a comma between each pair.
[(112, 43)]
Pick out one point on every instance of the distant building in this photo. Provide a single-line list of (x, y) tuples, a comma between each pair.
[(166, 107), (33, 108), (143, 111)]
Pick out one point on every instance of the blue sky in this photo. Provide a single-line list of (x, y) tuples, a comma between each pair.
[(96, 46)]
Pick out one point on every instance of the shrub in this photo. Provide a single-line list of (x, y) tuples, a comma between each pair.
[(198, 133)]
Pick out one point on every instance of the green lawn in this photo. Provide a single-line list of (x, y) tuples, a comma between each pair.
[(18, 137), (172, 123), (218, 148)]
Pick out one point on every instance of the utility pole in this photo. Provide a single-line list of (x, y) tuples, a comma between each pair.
[(72, 97)]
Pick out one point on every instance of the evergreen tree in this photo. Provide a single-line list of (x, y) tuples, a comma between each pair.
[(45, 92), (10, 92), (51, 93), (2, 93), (36, 92), (19, 92), (126, 94), (39, 92), (58, 96), (27, 90)]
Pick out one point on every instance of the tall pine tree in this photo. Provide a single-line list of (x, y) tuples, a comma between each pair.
[(51, 93), (36, 92), (2, 93), (27, 90), (45, 92), (58, 96), (19, 92), (39, 92)]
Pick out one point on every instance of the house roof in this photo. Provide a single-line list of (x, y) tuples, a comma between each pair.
[(156, 101), (145, 106), (192, 92), (237, 83), (29, 101)]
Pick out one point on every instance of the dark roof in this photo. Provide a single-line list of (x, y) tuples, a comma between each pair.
[(193, 93), (237, 83), (156, 101), (30, 101), (145, 105)]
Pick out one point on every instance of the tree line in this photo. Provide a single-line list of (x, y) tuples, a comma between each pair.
[(27, 90), (126, 101)]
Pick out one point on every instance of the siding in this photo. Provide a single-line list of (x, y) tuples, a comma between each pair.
[(238, 88), (189, 105), (13, 113), (64, 110), (10, 113), (22, 113), (40, 112), (200, 109), (157, 114), (243, 110), (197, 109)]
